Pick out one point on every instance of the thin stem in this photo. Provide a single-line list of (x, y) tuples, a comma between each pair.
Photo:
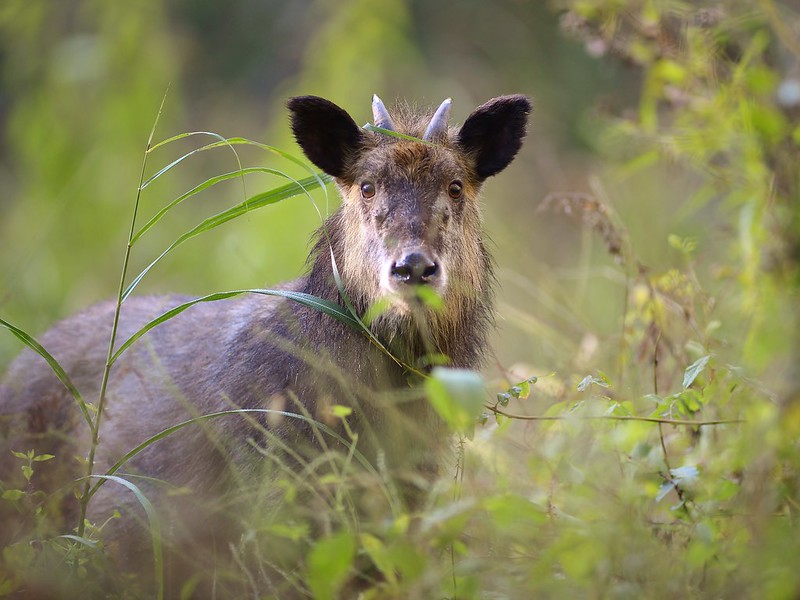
[(622, 340), (458, 481), (668, 476), (655, 363), (677, 422), (86, 495)]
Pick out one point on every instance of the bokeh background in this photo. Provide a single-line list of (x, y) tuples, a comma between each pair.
[(670, 129), (81, 83)]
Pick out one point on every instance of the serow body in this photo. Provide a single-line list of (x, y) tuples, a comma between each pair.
[(410, 222)]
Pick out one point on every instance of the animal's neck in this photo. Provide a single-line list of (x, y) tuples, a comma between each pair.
[(458, 332)]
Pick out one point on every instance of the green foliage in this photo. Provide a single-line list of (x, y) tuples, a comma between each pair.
[(328, 564), (457, 395), (660, 459)]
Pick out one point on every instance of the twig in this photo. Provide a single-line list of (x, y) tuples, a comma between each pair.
[(676, 422), (668, 476)]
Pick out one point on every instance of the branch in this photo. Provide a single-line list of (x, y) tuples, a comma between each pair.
[(677, 422)]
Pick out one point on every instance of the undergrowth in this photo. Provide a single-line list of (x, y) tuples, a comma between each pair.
[(668, 469)]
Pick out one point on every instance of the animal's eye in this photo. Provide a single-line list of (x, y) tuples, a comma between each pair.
[(367, 190), (455, 190)]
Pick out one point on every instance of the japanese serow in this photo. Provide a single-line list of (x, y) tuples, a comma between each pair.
[(409, 229)]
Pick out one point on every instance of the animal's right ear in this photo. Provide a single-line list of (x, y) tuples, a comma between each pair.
[(326, 133)]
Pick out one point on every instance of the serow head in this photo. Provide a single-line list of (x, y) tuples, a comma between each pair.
[(410, 216)]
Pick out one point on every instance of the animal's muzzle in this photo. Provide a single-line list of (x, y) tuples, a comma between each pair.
[(415, 268)]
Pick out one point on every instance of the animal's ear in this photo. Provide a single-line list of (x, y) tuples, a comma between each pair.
[(493, 133), (326, 133)]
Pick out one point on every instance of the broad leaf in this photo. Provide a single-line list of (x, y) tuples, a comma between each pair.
[(54, 365), (328, 564), (693, 370), (457, 395)]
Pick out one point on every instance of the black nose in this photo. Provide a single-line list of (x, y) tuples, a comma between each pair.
[(415, 268)]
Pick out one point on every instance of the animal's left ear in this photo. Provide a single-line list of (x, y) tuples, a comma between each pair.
[(326, 133), (493, 133)]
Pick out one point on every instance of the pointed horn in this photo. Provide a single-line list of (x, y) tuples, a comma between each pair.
[(380, 115), (438, 124)]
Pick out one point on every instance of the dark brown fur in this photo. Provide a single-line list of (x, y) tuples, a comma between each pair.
[(269, 353)]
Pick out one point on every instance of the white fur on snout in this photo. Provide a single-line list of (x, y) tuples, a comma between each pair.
[(390, 287)]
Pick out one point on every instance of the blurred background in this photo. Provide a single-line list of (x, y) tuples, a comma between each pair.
[(647, 239), (81, 82)]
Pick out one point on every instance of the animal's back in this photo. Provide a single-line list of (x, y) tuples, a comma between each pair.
[(167, 377)]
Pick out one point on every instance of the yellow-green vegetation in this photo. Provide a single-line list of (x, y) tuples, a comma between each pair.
[(637, 432)]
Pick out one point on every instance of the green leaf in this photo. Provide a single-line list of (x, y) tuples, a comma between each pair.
[(457, 395), (240, 411), (685, 474), (693, 370), (199, 188), (407, 559), (590, 380), (13, 495), (155, 528), (684, 245), (81, 540), (341, 411), (669, 71), (354, 315), (54, 365), (303, 186), (324, 306), (221, 142), (376, 309), (511, 511), (664, 489), (429, 297), (379, 554), (328, 564), (290, 531), (691, 401), (397, 134)]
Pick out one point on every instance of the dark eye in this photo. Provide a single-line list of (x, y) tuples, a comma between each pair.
[(367, 190), (455, 190)]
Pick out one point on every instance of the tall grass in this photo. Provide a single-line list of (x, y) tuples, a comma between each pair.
[(571, 484), (659, 461)]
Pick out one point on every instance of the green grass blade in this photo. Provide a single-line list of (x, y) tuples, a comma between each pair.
[(54, 365), (81, 540), (229, 142), (155, 528), (304, 186), (320, 304), (350, 308), (222, 142), (203, 186), (397, 134), (171, 430), (360, 325), (278, 152), (182, 136)]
